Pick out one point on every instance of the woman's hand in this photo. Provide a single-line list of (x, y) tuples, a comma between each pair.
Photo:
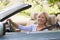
[(8, 20)]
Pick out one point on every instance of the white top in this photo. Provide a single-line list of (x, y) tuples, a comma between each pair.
[(31, 28)]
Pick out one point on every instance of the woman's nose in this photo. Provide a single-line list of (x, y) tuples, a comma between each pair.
[(39, 19)]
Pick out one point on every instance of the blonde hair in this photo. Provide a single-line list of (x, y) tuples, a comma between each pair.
[(46, 16)]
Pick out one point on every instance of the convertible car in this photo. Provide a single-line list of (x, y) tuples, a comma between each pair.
[(10, 11)]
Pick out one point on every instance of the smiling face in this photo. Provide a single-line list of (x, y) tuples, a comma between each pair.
[(41, 19)]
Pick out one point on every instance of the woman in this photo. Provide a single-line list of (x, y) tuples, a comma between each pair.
[(41, 23)]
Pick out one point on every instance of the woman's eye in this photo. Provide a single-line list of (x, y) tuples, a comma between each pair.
[(42, 17)]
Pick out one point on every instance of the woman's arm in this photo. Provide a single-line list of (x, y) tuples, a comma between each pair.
[(20, 27), (28, 28), (13, 23)]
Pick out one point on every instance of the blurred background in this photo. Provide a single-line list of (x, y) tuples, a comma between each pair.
[(49, 6)]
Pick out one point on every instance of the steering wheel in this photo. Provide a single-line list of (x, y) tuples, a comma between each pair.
[(10, 26), (11, 29)]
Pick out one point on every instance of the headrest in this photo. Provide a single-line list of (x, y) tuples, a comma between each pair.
[(52, 19)]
